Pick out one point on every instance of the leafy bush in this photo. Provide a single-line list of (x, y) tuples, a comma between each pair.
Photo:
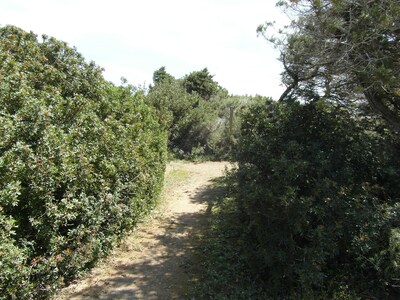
[(80, 161), (181, 114), (203, 121), (318, 187), (189, 119)]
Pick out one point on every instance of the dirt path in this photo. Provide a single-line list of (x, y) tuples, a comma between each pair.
[(156, 261)]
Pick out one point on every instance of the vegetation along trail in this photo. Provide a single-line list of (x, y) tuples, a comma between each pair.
[(157, 261)]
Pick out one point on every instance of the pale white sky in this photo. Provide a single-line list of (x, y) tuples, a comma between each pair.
[(134, 38)]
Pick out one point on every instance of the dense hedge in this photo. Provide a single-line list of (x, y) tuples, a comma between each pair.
[(80, 161), (318, 187)]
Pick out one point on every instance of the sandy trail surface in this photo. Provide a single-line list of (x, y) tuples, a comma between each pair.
[(156, 261)]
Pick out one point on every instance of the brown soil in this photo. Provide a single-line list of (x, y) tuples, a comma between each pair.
[(156, 261)]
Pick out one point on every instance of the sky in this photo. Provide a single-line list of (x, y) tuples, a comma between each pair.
[(133, 38)]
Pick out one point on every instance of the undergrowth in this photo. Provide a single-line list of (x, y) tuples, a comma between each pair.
[(225, 261), (224, 268)]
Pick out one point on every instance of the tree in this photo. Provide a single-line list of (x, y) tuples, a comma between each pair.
[(344, 50), (182, 115), (201, 82), (161, 75), (197, 113)]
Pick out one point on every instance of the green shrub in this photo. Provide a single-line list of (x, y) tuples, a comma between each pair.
[(80, 161), (187, 117), (198, 114), (318, 188)]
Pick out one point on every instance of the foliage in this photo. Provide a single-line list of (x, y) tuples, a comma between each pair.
[(224, 271), (181, 114), (344, 50), (161, 75), (202, 83), (198, 125), (80, 161), (223, 140), (318, 191)]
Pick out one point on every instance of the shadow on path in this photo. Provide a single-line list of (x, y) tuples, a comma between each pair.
[(163, 265)]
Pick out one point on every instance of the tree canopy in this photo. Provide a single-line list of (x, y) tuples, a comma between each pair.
[(161, 75), (344, 50), (201, 82)]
